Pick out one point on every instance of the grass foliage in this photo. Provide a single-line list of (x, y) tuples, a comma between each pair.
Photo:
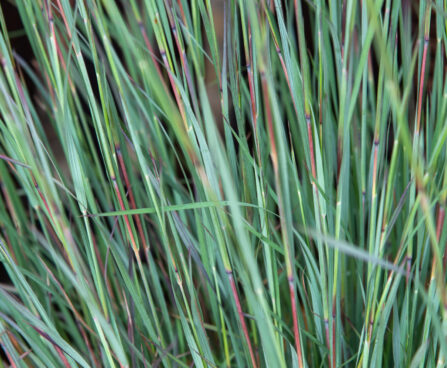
[(300, 221)]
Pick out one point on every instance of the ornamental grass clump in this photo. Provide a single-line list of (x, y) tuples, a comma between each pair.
[(223, 183)]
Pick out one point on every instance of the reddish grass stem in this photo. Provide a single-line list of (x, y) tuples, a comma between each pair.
[(241, 316), (131, 196), (174, 88), (421, 83), (296, 331), (182, 54), (439, 227), (274, 157), (152, 54), (126, 219)]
